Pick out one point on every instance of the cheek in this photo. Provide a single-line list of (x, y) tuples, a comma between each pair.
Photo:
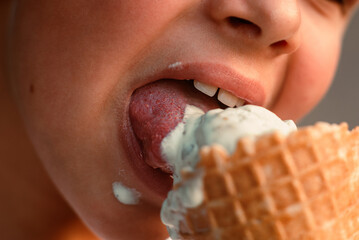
[(68, 58), (309, 74), (67, 71), (74, 55)]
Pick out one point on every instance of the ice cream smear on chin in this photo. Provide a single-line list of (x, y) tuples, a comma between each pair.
[(180, 148), (125, 195)]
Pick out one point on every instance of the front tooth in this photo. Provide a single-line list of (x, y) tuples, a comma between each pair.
[(205, 88), (227, 98), (240, 102)]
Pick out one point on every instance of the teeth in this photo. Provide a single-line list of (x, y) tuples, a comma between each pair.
[(229, 99), (224, 96), (205, 88), (240, 102)]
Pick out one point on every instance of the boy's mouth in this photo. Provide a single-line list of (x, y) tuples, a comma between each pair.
[(156, 108)]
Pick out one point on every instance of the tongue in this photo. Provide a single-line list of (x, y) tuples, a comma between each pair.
[(157, 108)]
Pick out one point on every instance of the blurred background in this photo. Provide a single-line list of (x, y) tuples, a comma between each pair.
[(342, 101)]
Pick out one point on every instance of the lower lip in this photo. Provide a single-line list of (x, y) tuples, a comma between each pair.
[(156, 180)]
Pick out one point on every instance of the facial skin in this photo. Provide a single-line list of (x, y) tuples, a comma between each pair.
[(73, 66)]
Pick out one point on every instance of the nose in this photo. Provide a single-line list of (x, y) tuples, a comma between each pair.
[(272, 24)]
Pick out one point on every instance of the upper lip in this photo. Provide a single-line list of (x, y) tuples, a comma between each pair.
[(218, 75)]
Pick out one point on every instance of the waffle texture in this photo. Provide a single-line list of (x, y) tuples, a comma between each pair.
[(304, 186)]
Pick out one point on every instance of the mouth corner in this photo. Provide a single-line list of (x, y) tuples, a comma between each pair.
[(156, 180)]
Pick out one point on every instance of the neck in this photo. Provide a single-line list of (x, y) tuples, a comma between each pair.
[(31, 207)]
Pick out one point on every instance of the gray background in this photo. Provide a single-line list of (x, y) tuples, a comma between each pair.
[(341, 104)]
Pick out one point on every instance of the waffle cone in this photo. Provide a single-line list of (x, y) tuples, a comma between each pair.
[(304, 186)]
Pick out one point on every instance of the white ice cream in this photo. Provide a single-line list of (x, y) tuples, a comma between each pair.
[(125, 195), (224, 127)]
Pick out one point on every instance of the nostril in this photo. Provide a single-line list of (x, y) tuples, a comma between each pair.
[(285, 46), (280, 44), (243, 24), (235, 21)]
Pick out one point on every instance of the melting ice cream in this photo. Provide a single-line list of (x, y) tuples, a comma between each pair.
[(224, 127)]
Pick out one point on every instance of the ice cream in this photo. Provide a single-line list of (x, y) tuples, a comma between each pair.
[(224, 127), (198, 129), (125, 195)]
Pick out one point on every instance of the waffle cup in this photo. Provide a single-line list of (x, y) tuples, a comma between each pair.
[(304, 186)]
